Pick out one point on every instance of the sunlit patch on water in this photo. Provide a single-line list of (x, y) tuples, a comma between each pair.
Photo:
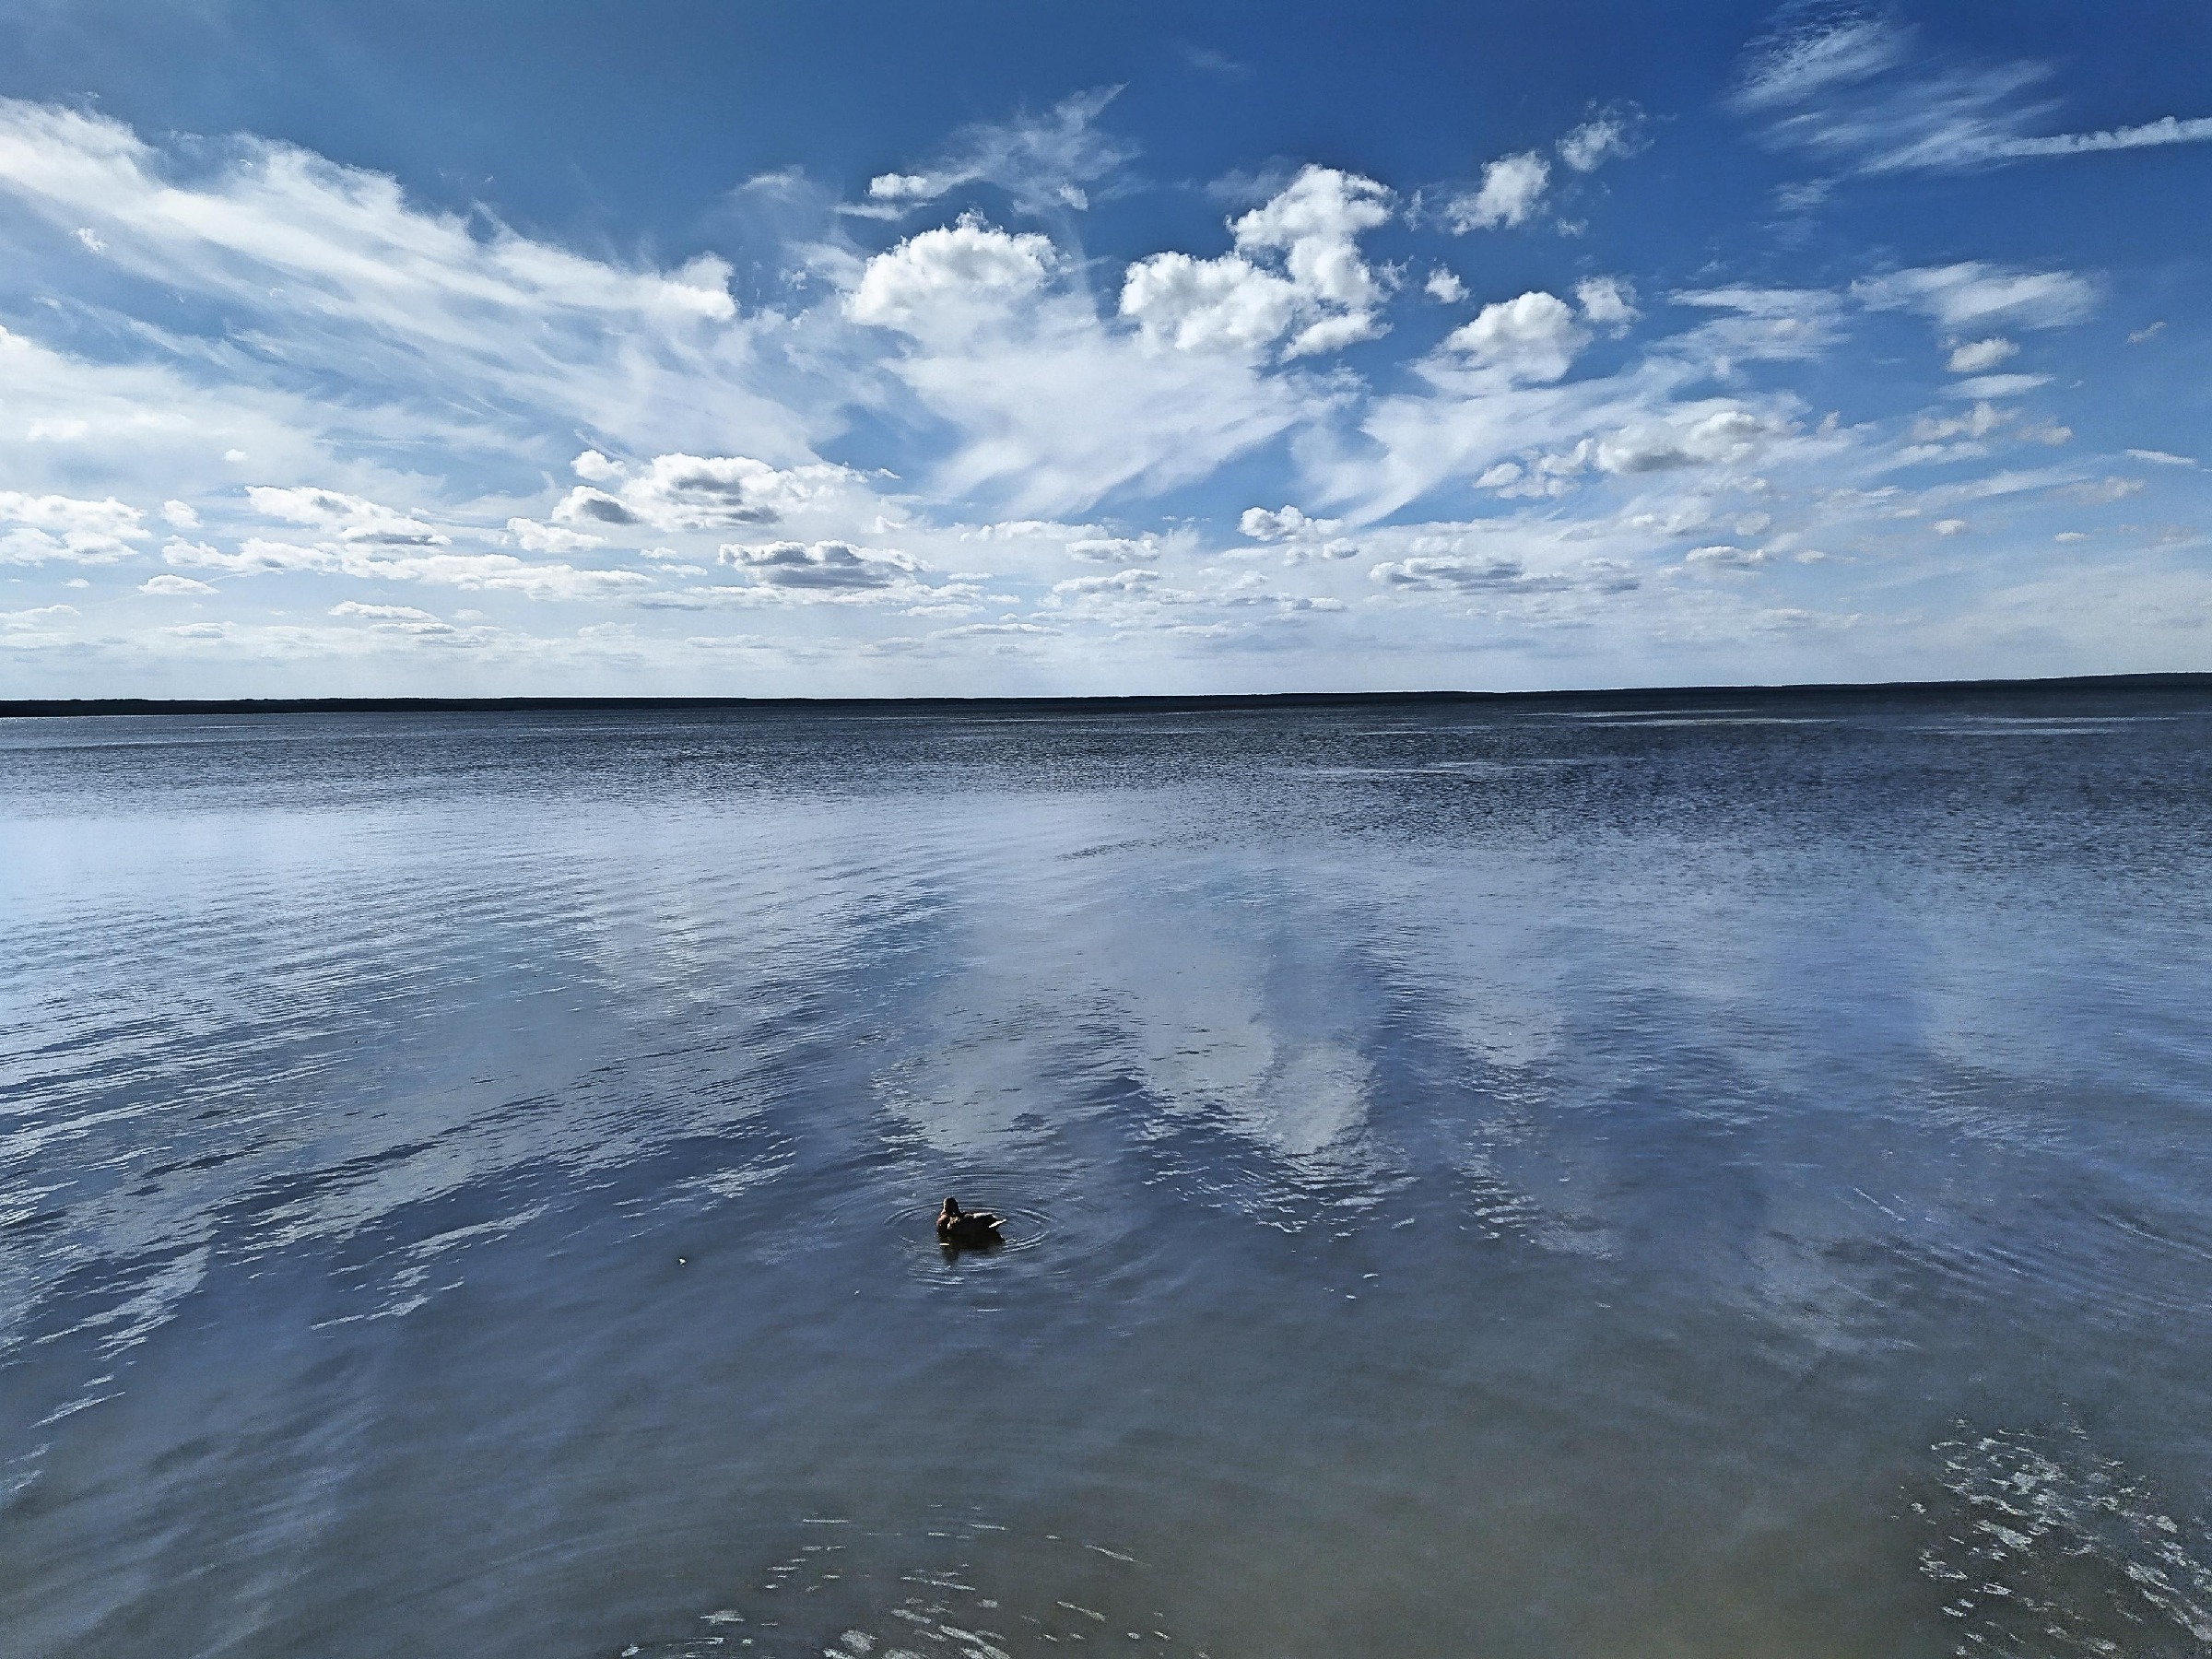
[(2044, 1547)]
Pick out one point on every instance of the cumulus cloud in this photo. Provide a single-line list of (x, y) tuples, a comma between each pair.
[(1450, 575), (1261, 525), (678, 492), (1983, 418), (1725, 435), (535, 537), (1533, 337), (174, 586), (826, 566), (1606, 301), (1222, 304), (1444, 286), (1512, 186), (66, 528), (1297, 265), (949, 280), (349, 518), (1113, 549)]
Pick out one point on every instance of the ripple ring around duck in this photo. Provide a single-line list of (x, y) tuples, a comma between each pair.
[(1025, 1228)]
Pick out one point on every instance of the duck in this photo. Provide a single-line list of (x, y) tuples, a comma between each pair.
[(971, 1228)]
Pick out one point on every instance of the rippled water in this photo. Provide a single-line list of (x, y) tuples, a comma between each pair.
[(1728, 1178)]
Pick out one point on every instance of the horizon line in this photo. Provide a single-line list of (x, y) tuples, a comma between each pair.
[(51, 708)]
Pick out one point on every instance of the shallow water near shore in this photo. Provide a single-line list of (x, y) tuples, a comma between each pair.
[(1647, 1178)]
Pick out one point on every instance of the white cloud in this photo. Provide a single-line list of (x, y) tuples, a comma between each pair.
[(535, 537), (1113, 550), (66, 528), (1452, 574), (1949, 526), (349, 518), (1775, 324), (1234, 303), (1603, 138), (1222, 304), (2160, 457), (1533, 337), (1724, 556), (300, 275), (2167, 129), (257, 556), (370, 561), (1974, 357), (1512, 186), (380, 613), (1799, 62), (1997, 385), (1044, 163), (1853, 86), (905, 187), (35, 620), (949, 280), (677, 492), (2101, 491), (1261, 525), (175, 587), (179, 515), (1444, 286), (1725, 435), (1983, 418), (1606, 301), (829, 565), (1974, 295), (350, 236)]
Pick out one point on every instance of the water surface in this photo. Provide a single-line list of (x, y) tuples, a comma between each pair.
[(1714, 1177)]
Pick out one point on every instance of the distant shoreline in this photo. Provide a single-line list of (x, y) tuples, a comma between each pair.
[(1660, 697)]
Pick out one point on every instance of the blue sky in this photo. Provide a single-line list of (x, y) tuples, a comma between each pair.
[(720, 347)]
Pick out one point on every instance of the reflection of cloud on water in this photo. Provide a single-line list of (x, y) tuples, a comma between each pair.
[(1209, 1041), (1227, 1010)]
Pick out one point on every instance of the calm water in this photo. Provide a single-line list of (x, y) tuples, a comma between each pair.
[(1496, 1180)]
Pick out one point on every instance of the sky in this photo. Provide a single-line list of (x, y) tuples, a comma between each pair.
[(822, 349)]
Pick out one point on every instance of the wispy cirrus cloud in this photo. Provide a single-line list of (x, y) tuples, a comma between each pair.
[(1044, 163), (1859, 91)]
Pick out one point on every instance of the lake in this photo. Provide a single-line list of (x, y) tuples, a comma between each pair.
[(1696, 1175)]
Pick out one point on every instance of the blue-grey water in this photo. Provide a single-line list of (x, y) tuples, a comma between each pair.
[(1508, 1179)]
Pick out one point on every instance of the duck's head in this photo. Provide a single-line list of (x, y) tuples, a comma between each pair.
[(952, 1208)]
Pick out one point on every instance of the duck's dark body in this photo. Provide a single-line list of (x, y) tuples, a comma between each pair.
[(971, 1228)]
